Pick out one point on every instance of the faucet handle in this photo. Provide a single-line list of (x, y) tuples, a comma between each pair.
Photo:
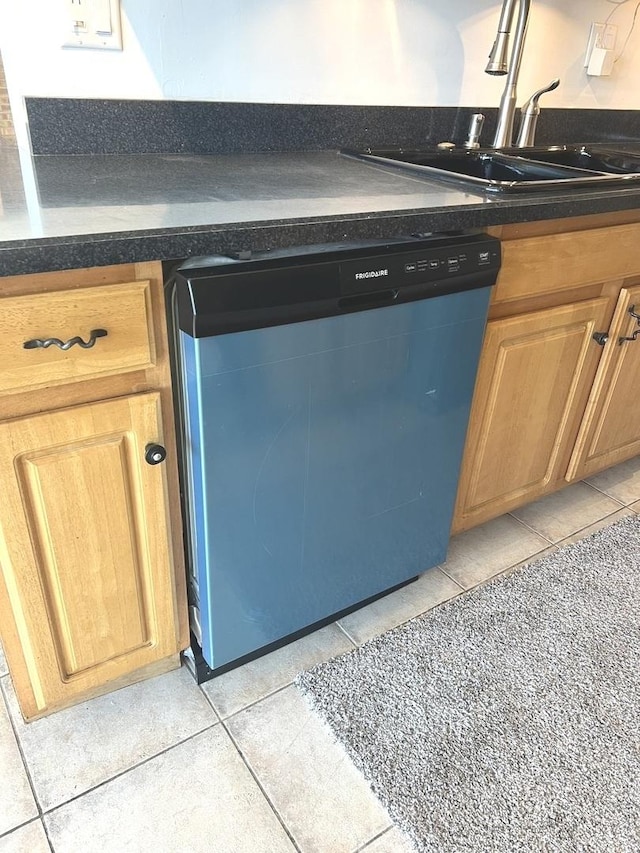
[(530, 112), (532, 103)]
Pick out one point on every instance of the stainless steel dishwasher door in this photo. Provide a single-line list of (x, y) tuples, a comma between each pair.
[(321, 460)]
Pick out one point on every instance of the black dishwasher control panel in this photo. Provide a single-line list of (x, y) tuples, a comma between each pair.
[(219, 295), (436, 263)]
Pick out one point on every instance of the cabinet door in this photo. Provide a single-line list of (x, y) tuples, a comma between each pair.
[(88, 594), (610, 432), (533, 381)]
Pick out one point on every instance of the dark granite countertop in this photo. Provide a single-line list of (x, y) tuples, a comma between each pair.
[(65, 211)]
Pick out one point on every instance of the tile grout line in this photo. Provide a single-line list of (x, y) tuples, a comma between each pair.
[(421, 613), (457, 583), (508, 568), (354, 643), (606, 494), (245, 761), (348, 635), (281, 687), (129, 769), (256, 701), (565, 541), (459, 591), (531, 529), (36, 819), (363, 847), (560, 542), (255, 778), (551, 544), (600, 492), (209, 702), (42, 813), (623, 504), (23, 758), (453, 580), (46, 834)]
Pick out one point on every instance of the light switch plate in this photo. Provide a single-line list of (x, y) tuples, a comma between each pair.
[(92, 23)]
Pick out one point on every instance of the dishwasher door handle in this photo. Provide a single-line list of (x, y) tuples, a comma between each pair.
[(363, 301)]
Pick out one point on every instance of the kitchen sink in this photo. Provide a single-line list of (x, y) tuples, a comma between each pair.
[(515, 169), (584, 157)]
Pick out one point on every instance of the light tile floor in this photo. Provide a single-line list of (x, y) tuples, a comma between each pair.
[(241, 763)]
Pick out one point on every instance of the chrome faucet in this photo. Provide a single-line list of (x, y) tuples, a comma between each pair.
[(497, 65)]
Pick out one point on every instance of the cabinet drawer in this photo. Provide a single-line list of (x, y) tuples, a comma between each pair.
[(533, 266), (120, 310)]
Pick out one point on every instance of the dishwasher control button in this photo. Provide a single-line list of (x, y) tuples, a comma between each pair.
[(434, 265), (410, 267), (484, 258), (453, 264)]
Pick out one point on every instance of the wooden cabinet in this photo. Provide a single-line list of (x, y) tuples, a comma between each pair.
[(610, 430), (86, 558), (551, 404), (92, 585), (535, 375)]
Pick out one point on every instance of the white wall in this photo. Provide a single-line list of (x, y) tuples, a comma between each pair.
[(404, 52)]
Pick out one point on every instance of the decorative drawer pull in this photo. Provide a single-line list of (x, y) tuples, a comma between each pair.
[(631, 310), (65, 345)]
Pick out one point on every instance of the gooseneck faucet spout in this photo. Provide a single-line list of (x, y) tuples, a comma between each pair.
[(498, 65)]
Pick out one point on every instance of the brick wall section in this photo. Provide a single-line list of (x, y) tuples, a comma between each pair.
[(6, 122)]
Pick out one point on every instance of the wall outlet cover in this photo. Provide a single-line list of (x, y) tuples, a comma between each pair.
[(92, 23)]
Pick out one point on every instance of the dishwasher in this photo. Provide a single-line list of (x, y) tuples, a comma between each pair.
[(323, 395)]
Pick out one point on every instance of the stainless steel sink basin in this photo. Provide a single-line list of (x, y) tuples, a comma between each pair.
[(515, 170)]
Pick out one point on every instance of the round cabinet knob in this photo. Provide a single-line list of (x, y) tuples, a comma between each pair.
[(154, 454)]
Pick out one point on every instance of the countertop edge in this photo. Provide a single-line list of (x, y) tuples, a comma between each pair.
[(104, 249)]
